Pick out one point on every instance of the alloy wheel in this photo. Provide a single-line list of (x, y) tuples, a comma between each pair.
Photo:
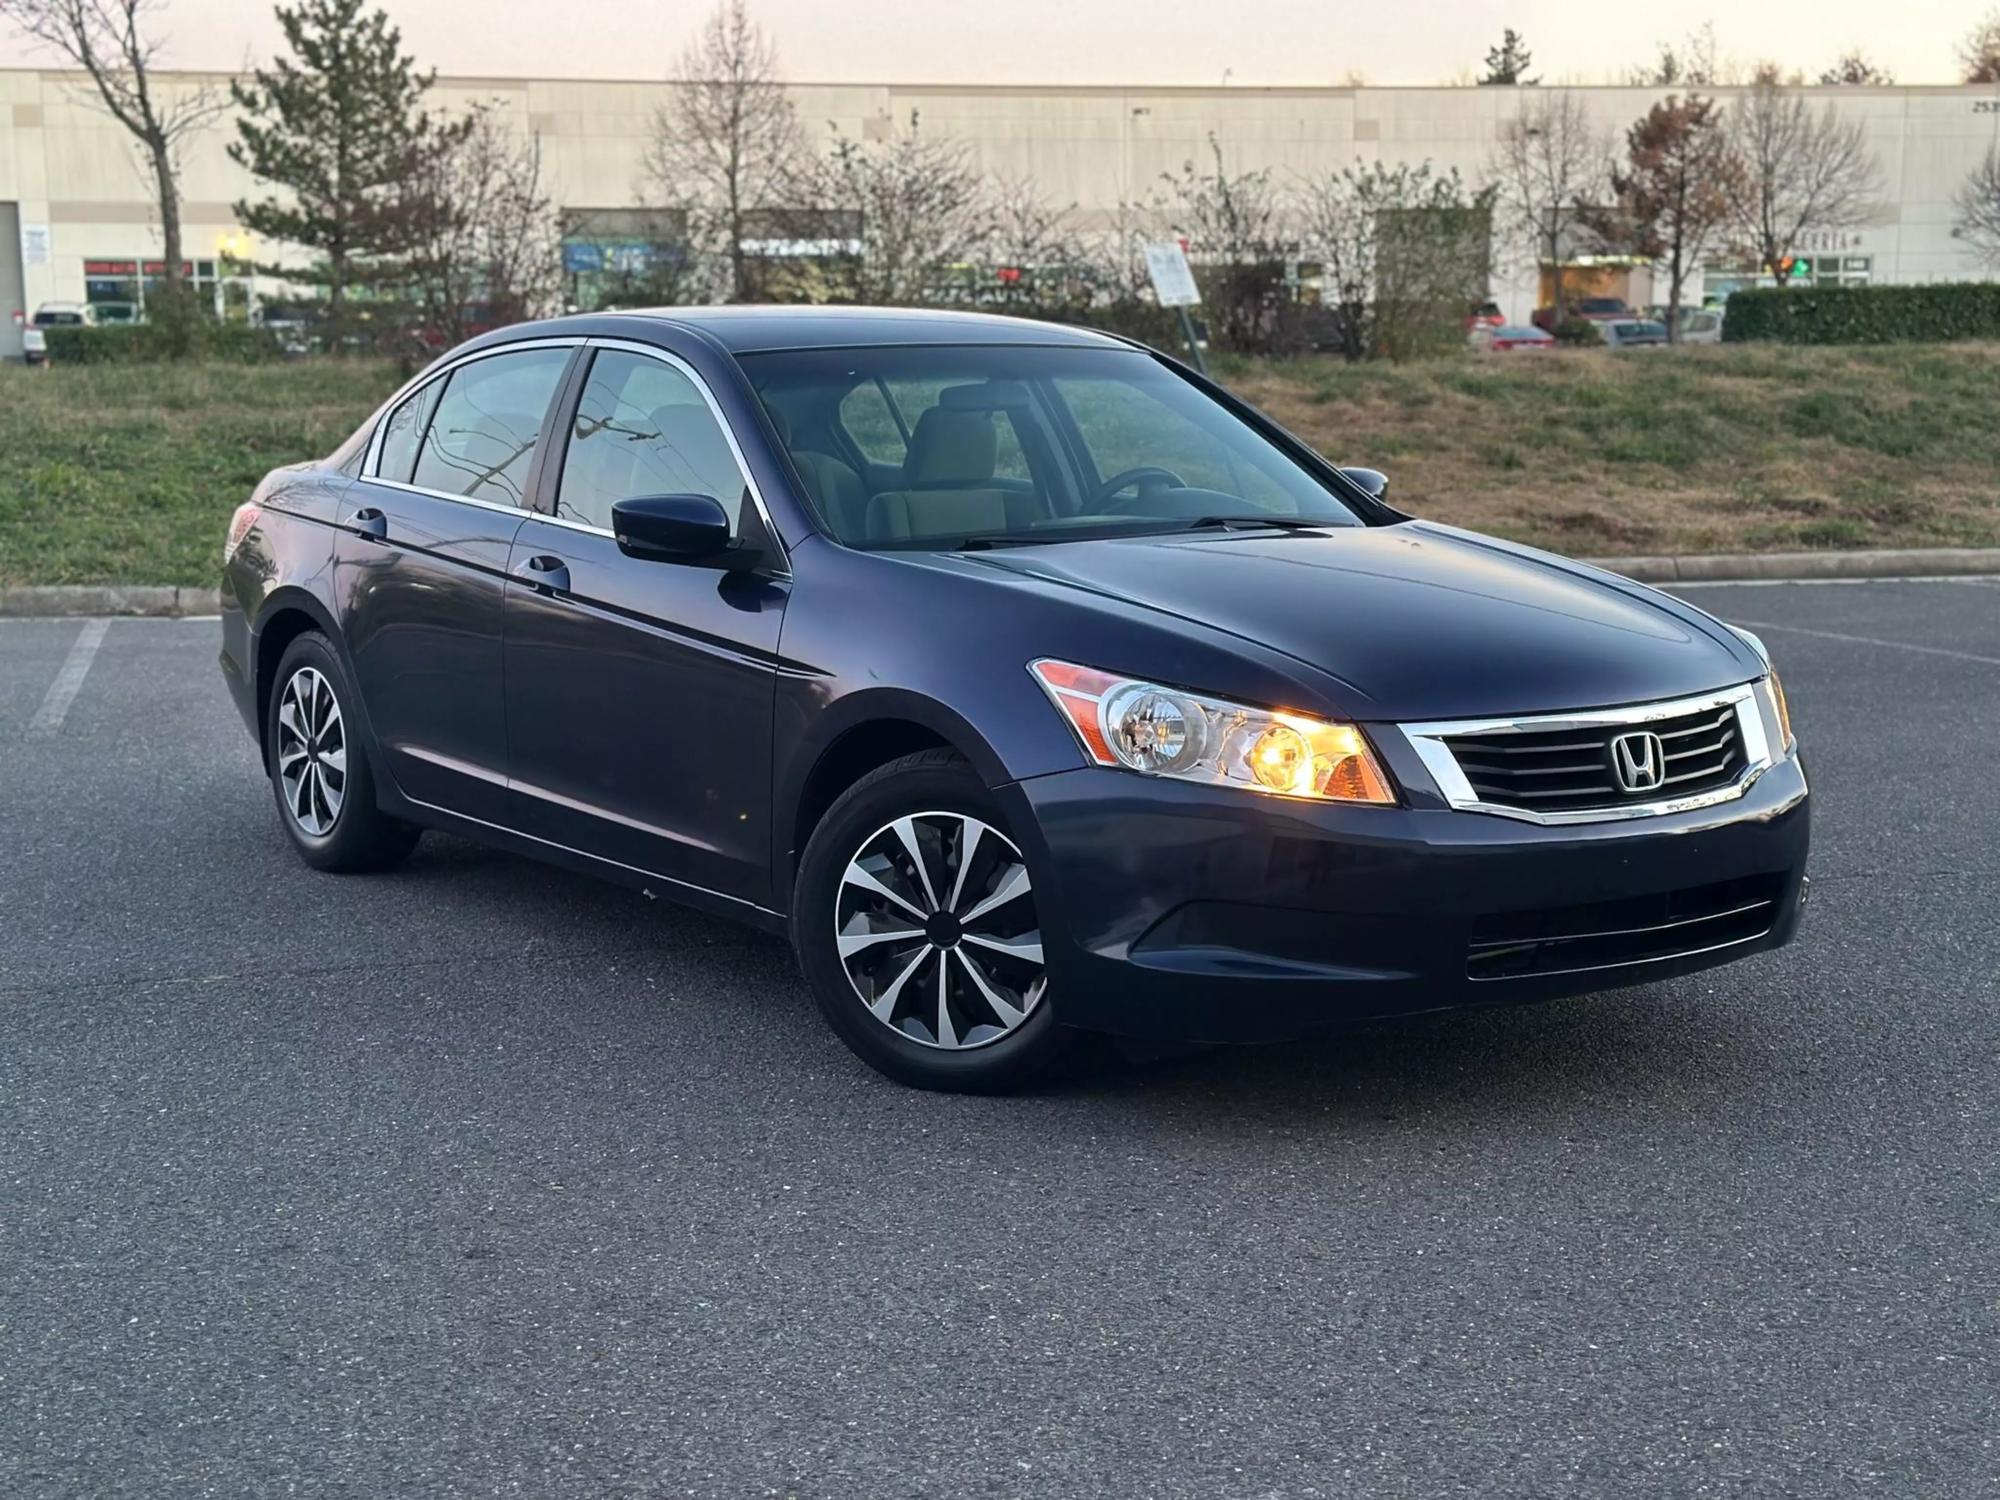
[(312, 752), (935, 925)]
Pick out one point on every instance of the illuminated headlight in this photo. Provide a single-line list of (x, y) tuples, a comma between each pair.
[(1771, 698), (1163, 731)]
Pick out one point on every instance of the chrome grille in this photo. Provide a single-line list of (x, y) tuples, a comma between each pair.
[(1564, 767), (1572, 768)]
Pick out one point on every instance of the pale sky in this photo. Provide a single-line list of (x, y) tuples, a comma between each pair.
[(1107, 41)]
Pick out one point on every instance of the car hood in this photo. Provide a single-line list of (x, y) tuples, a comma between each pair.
[(1415, 621)]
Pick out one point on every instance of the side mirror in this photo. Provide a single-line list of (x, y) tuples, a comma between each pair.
[(1372, 480), (671, 528)]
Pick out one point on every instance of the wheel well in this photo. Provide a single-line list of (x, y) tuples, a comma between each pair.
[(851, 757), (278, 632)]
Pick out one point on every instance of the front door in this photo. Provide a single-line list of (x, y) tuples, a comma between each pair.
[(422, 559), (640, 693)]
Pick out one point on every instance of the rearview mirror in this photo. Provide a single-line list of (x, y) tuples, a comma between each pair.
[(671, 528)]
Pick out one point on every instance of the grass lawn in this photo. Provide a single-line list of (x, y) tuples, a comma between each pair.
[(128, 473), (115, 474), (1726, 448)]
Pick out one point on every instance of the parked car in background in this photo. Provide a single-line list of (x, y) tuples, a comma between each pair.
[(34, 340), (1593, 309), (1511, 336), (65, 315), (1633, 333), (1485, 315), (1699, 325), (1028, 681)]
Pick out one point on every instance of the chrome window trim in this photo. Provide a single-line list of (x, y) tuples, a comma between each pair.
[(373, 456), (668, 357), (1428, 741)]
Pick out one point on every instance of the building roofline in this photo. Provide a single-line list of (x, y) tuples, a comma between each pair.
[(1190, 90)]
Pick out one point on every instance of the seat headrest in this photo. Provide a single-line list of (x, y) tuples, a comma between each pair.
[(951, 449)]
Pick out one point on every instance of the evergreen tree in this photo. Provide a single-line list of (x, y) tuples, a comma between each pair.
[(1509, 62), (339, 126)]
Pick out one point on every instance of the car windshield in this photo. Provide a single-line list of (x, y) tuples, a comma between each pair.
[(942, 446)]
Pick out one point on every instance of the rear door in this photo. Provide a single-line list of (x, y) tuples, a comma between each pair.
[(421, 562), (640, 693)]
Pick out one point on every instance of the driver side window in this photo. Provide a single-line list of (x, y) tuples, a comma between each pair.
[(643, 428)]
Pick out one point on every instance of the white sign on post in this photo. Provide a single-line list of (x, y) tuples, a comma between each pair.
[(1173, 277), (35, 244)]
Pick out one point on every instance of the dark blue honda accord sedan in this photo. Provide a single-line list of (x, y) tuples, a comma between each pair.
[(1030, 682)]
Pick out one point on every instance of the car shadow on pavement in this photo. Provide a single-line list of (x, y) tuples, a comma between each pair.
[(1681, 1045)]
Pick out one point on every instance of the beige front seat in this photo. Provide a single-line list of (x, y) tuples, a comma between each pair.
[(945, 480)]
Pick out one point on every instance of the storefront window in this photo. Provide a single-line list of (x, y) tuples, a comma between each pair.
[(118, 289)]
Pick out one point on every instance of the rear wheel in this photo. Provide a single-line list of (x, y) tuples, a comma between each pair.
[(915, 921), (319, 771)]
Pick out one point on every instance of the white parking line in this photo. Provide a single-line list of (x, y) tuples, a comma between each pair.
[(1869, 640), (62, 692)]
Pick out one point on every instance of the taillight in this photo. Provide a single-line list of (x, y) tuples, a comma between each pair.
[(239, 527)]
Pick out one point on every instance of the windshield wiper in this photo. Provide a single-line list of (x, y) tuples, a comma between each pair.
[(1256, 523), (989, 540)]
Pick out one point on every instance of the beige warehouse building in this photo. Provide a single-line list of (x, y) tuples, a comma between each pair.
[(76, 225)]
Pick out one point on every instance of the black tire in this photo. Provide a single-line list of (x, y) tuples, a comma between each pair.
[(356, 835), (930, 781)]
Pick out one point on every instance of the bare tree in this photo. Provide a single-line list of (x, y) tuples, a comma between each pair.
[(1979, 208), (921, 211), (1855, 69), (1240, 242), (1040, 264), (490, 248), (108, 40), (1802, 171), (1980, 51), (728, 138), (1403, 252), (1675, 189), (1699, 62), (1548, 168)]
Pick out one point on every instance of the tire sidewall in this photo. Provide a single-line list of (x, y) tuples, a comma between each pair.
[(349, 837), (861, 812)]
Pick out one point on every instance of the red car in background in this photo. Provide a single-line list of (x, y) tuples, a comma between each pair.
[(1484, 315), (1512, 336), (1595, 309)]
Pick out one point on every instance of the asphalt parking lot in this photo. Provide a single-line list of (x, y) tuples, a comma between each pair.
[(483, 1179)]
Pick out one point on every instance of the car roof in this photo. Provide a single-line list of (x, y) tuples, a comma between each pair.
[(755, 329)]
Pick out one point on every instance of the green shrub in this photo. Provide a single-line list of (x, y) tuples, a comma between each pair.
[(1578, 331), (149, 343), (1865, 314)]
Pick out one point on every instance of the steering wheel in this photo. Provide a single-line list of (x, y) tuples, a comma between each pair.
[(1137, 476)]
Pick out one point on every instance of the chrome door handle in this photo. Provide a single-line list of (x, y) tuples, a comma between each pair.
[(369, 522), (544, 573)]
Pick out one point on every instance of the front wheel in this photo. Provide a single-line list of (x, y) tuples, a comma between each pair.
[(915, 921)]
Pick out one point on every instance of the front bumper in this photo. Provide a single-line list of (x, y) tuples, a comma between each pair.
[(1215, 914)]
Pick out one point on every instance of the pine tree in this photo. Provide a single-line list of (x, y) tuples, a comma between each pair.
[(339, 126), (1509, 62)]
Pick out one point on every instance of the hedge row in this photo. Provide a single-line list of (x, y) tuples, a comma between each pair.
[(144, 343), (1865, 314)]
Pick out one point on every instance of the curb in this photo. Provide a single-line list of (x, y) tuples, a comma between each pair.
[(57, 600), (1750, 567)]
